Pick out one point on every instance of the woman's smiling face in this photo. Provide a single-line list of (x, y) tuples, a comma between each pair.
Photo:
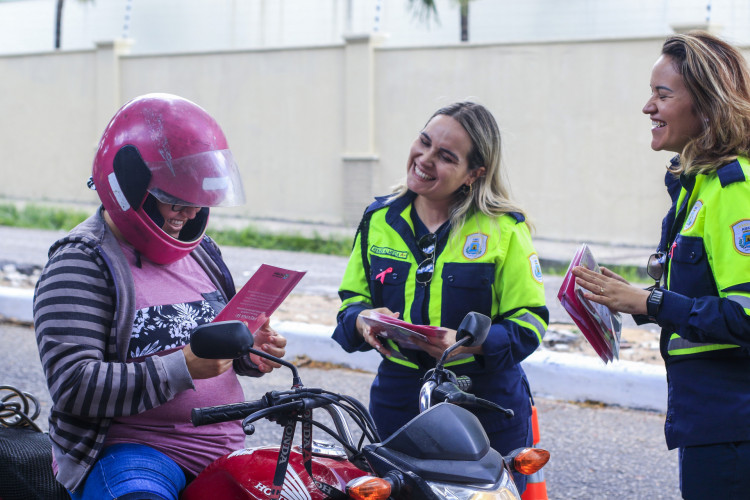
[(674, 120), (438, 160), (174, 220)]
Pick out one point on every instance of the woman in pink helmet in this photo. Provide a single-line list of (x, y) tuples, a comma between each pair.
[(119, 297)]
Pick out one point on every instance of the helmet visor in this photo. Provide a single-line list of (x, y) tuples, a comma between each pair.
[(209, 179)]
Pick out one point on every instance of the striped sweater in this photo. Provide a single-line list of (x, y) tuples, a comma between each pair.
[(84, 309)]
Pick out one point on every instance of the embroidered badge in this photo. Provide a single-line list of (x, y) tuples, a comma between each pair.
[(692, 215), (389, 252), (536, 268), (475, 246), (742, 236)]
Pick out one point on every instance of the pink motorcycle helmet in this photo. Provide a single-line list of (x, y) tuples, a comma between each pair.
[(161, 147)]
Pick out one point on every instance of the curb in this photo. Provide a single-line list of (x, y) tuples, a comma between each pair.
[(567, 377), (16, 304)]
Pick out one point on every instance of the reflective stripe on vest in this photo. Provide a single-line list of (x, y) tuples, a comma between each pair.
[(397, 357), (532, 322), (741, 300), (461, 361), (680, 347)]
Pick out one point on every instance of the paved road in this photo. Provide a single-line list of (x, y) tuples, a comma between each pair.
[(597, 452)]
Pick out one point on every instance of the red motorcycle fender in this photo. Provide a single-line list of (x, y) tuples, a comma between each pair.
[(248, 474)]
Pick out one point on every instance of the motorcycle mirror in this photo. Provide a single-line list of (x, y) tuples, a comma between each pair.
[(472, 331), (221, 340), (231, 340), (476, 326)]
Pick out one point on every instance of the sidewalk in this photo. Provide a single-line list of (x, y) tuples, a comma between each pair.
[(567, 377)]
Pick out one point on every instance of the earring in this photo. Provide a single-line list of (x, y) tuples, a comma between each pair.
[(466, 189)]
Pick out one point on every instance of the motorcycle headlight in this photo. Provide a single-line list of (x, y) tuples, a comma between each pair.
[(504, 489)]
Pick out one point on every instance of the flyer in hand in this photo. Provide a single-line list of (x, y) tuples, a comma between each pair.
[(400, 331), (260, 296), (597, 322)]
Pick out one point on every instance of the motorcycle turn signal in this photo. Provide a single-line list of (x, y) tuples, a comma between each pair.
[(369, 488), (527, 460)]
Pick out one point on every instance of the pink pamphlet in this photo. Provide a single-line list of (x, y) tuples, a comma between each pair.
[(260, 296), (599, 325), (400, 331)]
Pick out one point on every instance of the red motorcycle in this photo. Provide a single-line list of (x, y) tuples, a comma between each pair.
[(443, 453)]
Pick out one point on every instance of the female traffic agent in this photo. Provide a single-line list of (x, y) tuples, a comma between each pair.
[(119, 297), (447, 242), (700, 109)]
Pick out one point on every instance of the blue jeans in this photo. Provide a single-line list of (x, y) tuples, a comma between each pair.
[(132, 471)]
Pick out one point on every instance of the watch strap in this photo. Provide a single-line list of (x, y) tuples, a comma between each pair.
[(653, 303)]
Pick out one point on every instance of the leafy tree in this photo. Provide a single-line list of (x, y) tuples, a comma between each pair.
[(426, 10)]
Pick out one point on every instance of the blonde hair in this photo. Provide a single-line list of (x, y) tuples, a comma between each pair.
[(716, 76), (489, 194)]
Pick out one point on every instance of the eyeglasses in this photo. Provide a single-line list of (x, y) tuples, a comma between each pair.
[(655, 266), (180, 208), (425, 269)]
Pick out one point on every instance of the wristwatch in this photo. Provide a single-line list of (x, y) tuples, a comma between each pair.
[(653, 304)]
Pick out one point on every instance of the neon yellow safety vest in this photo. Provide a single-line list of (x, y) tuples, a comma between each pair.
[(710, 256), (489, 266)]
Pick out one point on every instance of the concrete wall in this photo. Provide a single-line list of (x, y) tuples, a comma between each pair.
[(576, 145), (318, 131)]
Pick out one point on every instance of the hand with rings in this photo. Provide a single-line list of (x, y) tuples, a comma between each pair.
[(620, 295)]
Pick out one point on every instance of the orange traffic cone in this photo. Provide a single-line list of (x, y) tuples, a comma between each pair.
[(536, 487)]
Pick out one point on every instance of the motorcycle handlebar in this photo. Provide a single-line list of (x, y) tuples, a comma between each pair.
[(225, 413), (452, 393), (463, 383), (274, 401)]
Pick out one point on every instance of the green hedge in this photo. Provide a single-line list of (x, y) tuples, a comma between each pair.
[(33, 216), (40, 217)]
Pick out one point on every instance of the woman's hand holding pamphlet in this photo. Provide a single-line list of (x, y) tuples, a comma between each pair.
[(400, 331), (597, 322)]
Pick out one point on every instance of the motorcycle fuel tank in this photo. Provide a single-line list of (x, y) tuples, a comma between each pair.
[(248, 474)]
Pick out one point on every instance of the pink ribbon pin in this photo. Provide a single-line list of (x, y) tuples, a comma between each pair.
[(381, 276)]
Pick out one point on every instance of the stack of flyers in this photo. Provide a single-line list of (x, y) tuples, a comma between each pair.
[(597, 322), (400, 331)]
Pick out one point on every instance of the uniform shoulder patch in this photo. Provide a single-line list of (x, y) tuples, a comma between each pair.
[(389, 252), (536, 268), (475, 246), (741, 232), (690, 220)]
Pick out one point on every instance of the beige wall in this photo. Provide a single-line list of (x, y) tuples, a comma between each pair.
[(318, 131)]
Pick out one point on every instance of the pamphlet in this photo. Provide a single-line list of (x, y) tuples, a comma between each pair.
[(401, 332), (598, 323), (260, 296)]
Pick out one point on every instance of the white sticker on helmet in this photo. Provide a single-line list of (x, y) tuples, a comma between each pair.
[(215, 183), (119, 196)]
